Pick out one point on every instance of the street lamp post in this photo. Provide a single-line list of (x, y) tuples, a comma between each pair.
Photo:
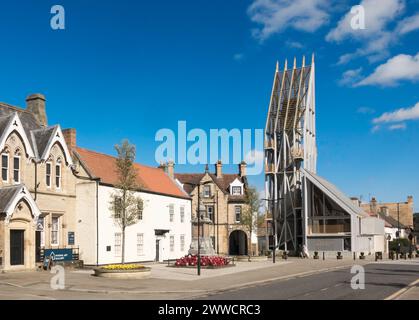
[(274, 226)]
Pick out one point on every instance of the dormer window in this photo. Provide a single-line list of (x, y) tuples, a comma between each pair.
[(207, 191), (5, 167), (236, 191)]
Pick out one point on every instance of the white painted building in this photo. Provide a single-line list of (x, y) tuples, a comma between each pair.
[(163, 229)]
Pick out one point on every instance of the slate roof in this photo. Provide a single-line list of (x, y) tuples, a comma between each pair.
[(7, 194), (391, 221), (37, 135), (149, 179)]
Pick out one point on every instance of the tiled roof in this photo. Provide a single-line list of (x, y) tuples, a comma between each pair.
[(223, 183), (149, 179)]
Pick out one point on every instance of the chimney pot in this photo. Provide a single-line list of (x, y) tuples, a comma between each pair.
[(171, 169), (219, 169), (35, 103), (242, 169)]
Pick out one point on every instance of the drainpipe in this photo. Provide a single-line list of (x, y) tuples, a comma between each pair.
[(97, 222), (218, 231)]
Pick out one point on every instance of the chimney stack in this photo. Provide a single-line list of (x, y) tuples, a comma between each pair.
[(35, 104), (70, 137), (242, 169), (373, 205), (171, 169), (219, 169)]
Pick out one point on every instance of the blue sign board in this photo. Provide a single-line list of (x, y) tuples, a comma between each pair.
[(59, 254), (71, 238)]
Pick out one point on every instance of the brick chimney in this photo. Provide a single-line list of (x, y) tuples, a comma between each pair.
[(409, 199), (219, 169), (35, 104), (70, 137), (171, 169), (242, 169), (373, 205)]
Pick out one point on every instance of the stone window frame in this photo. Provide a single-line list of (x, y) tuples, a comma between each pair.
[(58, 231), (58, 177), (48, 163), (19, 169), (235, 213), (5, 168), (207, 188), (233, 188)]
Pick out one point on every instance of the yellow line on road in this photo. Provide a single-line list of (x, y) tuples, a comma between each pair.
[(401, 291)]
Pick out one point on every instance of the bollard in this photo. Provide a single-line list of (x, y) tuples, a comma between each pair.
[(323, 255), (354, 255)]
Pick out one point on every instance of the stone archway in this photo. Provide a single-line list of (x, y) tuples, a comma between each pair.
[(238, 243)]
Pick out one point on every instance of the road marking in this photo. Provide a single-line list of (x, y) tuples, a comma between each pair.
[(401, 291), (324, 289)]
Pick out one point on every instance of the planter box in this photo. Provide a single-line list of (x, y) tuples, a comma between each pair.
[(143, 273)]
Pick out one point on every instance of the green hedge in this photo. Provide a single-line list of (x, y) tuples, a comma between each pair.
[(404, 243)]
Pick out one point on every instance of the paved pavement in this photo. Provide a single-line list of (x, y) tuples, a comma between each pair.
[(173, 283)]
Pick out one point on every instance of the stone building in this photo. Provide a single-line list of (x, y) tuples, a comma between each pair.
[(396, 210), (37, 186), (223, 196)]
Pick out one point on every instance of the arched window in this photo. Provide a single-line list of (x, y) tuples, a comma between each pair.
[(58, 174)]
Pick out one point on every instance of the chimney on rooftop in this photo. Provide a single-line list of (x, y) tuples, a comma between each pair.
[(35, 104), (171, 169), (70, 138), (219, 169), (242, 169)]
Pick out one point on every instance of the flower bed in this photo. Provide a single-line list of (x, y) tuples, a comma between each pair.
[(206, 261), (123, 271)]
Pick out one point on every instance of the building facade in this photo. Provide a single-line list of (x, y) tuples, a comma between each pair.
[(37, 186), (399, 211), (223, 196), (163, 228)]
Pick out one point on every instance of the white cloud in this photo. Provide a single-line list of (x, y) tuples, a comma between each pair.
[(275, 16), (399, 115), (294, 44), (375, 128), (254, 156), (350, 77), (408, 24), (399, 126), (238, 56), (365, 110), (399, 68), (375, 36)]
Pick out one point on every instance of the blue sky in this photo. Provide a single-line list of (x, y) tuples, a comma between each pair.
[(125, 69)]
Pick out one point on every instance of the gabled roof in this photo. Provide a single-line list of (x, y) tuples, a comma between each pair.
[(195, 178), (38, 139), (10, 196), (149, 179), (390, 221), (335, 194)]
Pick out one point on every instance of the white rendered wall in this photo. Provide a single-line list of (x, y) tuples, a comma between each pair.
[(155, 216)]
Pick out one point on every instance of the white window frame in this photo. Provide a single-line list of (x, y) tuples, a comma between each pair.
[(171, 212), (118, 244), (140, 244), (236, 188), (58, 177), (235, 213), (182, 214), (41, 218), (208, 211), (5, 168), (207, 188), (57, 231), (49, 163), (172, 243), (14, 169), (182, 242)]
